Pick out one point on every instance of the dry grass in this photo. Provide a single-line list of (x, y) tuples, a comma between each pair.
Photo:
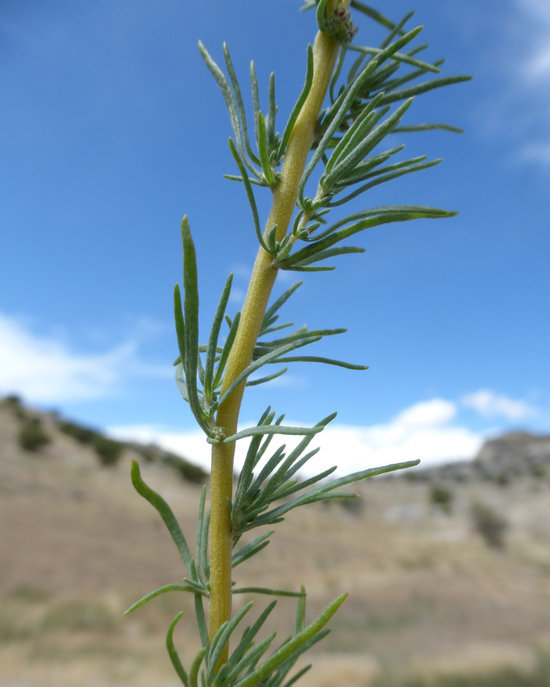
[(77, 546)]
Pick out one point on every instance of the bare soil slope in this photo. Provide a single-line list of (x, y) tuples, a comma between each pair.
[(427, 591)]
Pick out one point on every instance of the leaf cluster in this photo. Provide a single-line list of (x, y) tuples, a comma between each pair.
[(200, 382), (252, 507), (262, 160), (347, 144), (276, 481)]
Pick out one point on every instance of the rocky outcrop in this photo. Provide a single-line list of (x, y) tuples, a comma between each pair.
[(500, 460), (514, 454)]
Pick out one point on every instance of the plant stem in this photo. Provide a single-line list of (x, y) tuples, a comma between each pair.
[(325, 50)]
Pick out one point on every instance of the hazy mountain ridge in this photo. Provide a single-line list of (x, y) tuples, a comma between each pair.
[(500, 459), (36, 430)]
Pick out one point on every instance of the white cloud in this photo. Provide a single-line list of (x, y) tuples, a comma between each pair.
[(423, 430), (536, 152), (539, 63), (514, 62), (191, 444), (490, 404), (44, 369), (530, 26), (529, 63)]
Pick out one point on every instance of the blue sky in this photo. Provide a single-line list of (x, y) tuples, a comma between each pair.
[(112, 129)]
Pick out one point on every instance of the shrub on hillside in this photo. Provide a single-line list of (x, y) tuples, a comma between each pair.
[(490, 525), (13, 402), (32, 436), (81, 434), (441, 496), (108, 450), (188, 471)]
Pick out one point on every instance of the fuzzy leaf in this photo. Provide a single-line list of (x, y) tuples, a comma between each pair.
[(174, 657), (165, 513), (294, 646)]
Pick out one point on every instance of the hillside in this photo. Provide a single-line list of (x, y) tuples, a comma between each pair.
[(447, 569)]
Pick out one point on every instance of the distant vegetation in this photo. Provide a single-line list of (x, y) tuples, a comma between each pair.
[(441, 496), (33, 436), (83, 435), (489, 524)]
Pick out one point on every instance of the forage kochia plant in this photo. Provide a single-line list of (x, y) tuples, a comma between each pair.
[(354, 98)]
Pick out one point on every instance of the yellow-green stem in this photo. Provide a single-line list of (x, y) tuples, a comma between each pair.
[(325, 50)]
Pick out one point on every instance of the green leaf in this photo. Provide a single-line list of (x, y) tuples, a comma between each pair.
[(176, 662), (263, 147), (226, 350), (270, 465), (229, 672), (187, 326), (263, 360), (268, 378), (427, 127), (221, 638), (320, 492), (271, 114), (352, 156), (234, 106), (365, 168), (301, 611), (180, 381), (288, 468), (338, 118), (299, 104), (254, 182), (256, 449), (301, 334), (397, 30), (250, 549), (373, 218), (255, 97), (399, 57), (343, 250), (326, 361), (249, 194), (242, 656), (398, 81), (180, 323), (355, 134), (269, 317), (281, 481), (393, 172), (340, 59), (293, 646), (269, 429), (265, 590), (201, 623), (372, 70), (372, 13), (202, 532), (195, 667), (165, 513), (394, 96), (299, 268), (214, 336), (195, 583), (239, 102), (298, 675), (158, 592)]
